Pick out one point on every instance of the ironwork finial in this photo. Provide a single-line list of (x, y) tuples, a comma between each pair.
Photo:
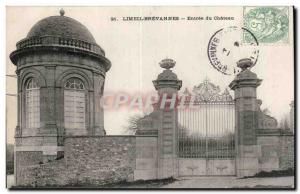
[(206, 80)]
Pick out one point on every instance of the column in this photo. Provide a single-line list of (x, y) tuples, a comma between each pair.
[(246, 119), (167, 86), (98, 92), (47, 114)]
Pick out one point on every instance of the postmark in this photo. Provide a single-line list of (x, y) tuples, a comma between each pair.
[(268, 24), (226, 48)]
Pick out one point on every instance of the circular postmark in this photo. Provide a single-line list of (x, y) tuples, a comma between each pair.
[(225, 49), (268, 24)]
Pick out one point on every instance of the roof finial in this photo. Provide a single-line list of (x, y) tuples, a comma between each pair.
[(62, 12), (245, 64), (167, 63), (206, 80)]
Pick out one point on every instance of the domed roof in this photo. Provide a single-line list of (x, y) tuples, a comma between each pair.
[(61, 26), (63, 34)]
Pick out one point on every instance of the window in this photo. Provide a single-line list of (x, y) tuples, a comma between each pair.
[(32, 104), (74, 102)]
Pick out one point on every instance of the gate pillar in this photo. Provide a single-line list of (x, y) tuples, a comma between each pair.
[(246, 121), (167, 86)]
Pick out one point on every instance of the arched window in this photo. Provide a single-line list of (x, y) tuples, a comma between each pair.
[(32, 104), (74, 104)]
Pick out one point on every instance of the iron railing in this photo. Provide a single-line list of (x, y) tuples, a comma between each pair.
[(207, 131), (60, 41)]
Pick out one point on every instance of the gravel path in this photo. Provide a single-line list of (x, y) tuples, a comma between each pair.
[(214, 182), (232, 182)]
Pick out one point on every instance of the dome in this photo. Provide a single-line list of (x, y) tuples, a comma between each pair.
[(60, 34), (61, 26)]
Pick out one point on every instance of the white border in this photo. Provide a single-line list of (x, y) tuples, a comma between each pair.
[(4, 3)]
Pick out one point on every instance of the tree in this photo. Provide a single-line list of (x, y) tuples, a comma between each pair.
[(284, 123), (9, 159), (183, 131), (132, 124), (266, 111)]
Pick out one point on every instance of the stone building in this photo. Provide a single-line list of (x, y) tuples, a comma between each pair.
[(61, 74)]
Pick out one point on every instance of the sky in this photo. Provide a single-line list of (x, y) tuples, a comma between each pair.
[(135, 48)]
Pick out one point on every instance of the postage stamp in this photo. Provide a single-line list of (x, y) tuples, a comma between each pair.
[(268, 24)]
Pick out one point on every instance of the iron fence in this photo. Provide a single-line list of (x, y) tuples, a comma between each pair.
[(207, 130)]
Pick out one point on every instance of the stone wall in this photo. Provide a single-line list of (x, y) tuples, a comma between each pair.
[(88, 160), (286, 152), (53, 173), (97, 160), (277, 152), (146, 158), (269, 157), (23, 161)]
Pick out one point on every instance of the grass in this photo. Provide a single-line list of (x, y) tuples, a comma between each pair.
[(273, 173), (141, 183), (117, 185)]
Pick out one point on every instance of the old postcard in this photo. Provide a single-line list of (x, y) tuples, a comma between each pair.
[(166, 97)]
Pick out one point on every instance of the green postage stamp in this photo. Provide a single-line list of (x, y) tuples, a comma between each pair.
[(268, 24)]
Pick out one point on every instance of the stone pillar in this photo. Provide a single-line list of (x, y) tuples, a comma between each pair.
[(48, 120), (246, 119), (167, 86), (98, 92)]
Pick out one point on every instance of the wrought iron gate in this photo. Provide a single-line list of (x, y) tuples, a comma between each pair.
[(206, 143)]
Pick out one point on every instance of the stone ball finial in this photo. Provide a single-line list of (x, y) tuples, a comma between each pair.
[(245, 63), (167, 63), (62, 12)]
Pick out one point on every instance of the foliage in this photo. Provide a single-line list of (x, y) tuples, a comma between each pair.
[(9, 159), (132, 124), (266, 111), (285, 123), (274, 173), (193, 146)]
